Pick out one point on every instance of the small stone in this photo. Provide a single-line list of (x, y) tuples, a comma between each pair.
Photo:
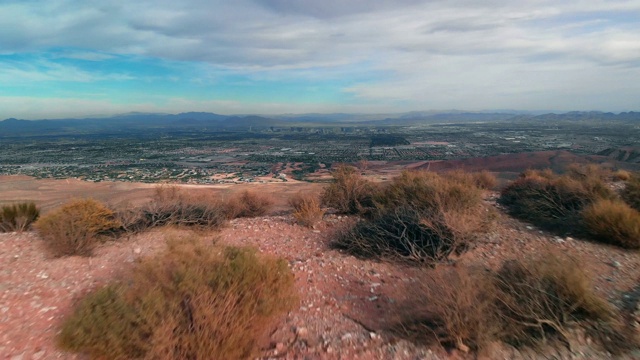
[(529, 227), (373, 335), (462, 347), (137, 251), (347, 336), (302, 333), (280, 347), (615, 264), (39, 355)]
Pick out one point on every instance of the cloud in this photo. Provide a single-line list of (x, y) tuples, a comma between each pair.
[(417, 53)]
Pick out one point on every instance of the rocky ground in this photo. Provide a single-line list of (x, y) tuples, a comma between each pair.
[(346, 303)]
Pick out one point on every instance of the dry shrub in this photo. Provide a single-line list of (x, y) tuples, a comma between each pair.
[(613, 222), (350, 193), (485, 179), (578, 171), (18, 217), (551, 201), (77, 227), (454, 306), (525, 303), (422, 217), (541, 298), (190, 302), (631, 192), (173, 206), (621, 175), (430, 191), (306, 209), (248, 204)]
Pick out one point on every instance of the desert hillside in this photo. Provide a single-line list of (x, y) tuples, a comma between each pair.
[(349, 307)]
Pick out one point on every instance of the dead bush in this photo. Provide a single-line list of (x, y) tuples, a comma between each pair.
[(190, 302), (541, 298), (422, 217), (248, 204), (76, 227), (613, 222), (306, 209), (18, 217), (631, 192), (454, 306), (350, 193), (173, 206), (524, 303), (551, 201)]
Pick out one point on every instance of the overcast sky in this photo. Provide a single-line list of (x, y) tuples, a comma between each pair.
[(99, 57)]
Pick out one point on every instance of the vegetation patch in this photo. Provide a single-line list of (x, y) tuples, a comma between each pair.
[(631, 192), (173, 206), (524, 303), (18, 217), (420, 217), (190, 302), (248, 204), (350, 193), (306, 209), (77, 227), (614, 222), (554, 202)]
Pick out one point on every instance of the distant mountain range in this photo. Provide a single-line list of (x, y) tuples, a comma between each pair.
[(142, 122)]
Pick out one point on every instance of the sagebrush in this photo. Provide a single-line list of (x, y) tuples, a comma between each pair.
[(190, 302)]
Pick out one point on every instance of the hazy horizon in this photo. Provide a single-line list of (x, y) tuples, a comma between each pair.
[(66, 59)]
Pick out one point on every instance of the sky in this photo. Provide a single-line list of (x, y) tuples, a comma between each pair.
[(69, 58)]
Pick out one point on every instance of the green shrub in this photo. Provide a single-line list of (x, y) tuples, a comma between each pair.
[(613, 222), (76, 228), (631, 192), (18, 217), (306, 209), (190, 302), (350, 193)]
